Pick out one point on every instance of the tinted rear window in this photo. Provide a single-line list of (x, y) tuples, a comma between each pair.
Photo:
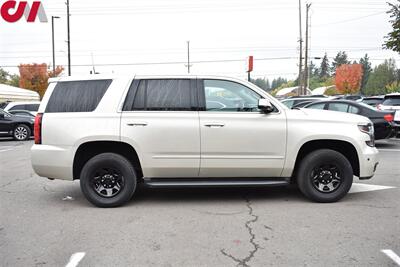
[(160, 94), (392, 101), (77, 96), (32, 107)]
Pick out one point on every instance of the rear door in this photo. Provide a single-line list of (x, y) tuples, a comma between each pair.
[(160, 119), (237, 139)]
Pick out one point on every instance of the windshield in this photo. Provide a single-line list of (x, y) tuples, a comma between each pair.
[(392, 101)]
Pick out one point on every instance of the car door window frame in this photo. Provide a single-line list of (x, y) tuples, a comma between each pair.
[(202, 98), (131, 96)]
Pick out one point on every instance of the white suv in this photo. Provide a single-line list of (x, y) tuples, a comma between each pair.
[(115, 132)]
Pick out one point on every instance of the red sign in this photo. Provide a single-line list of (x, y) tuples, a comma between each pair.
[(250, 64), (12, 11)]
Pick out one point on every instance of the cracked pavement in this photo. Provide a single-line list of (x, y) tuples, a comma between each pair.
[(194, 227)]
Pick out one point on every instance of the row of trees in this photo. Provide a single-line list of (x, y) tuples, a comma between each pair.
[(348, 77)]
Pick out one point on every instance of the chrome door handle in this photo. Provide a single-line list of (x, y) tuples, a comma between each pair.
[(214, 124), (137, 124)]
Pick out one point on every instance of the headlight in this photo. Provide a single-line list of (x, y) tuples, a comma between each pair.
[(368, 128)]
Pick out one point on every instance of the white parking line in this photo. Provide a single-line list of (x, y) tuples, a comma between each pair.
[(5, 150), (75, 259), (392, 255), (357, 187)]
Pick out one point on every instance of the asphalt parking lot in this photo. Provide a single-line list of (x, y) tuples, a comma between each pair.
[(50, 223)]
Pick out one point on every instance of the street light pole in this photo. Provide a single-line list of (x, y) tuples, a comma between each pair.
[(52, 39), (68, 41)]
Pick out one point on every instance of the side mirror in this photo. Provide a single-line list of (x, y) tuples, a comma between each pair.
[(265, 105), (1, 115)]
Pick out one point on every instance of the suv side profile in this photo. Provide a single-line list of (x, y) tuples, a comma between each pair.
[(167, 131)]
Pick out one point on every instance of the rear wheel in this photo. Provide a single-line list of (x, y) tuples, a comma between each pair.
[(325, 176), (21, 132), (108, 180)]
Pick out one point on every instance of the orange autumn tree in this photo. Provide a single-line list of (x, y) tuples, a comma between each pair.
[(35, 77), (348, 78)]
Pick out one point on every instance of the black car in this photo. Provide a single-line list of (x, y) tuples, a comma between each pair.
[(20, 128), (382, 120)]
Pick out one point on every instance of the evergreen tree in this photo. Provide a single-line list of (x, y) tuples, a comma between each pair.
[(323, 71), (393, 38), (366, 71), (382, 75), (340, 59)]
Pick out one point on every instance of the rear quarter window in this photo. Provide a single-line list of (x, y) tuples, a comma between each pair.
[(77, 96)]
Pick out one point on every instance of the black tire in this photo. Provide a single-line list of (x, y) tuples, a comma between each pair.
[(327, 165), (21, 132), (112, 171)]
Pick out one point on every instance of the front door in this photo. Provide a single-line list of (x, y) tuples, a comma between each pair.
[(237, 139)]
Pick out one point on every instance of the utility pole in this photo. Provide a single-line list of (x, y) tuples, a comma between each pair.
[(188, 56), (52, 41), (68, 41), (300, 88), (306, 52)]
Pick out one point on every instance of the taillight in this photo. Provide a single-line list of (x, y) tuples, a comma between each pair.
[(37, 129), (388, 117)]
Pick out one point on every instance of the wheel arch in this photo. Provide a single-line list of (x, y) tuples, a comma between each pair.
[(343, 147), (90, 149)]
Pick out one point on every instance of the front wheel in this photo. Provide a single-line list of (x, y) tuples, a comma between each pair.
[(21, 132), (325, 175), (108, 180)]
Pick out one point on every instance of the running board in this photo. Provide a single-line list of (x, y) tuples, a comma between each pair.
[(214, 182)]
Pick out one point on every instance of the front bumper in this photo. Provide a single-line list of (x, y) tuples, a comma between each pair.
[(369, 160)]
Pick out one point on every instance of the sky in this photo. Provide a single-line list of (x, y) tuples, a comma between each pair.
[(130, 36)]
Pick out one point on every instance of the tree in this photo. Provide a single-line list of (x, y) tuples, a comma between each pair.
[(323, 71), (393, 87), (366, 71), (3, 76), (392, 41), (35, 76), (7, 78), (340, 59), (262, 83), (348, 78), (382, 75)]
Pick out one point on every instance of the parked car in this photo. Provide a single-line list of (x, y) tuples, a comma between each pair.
[(373, 101), (20, 128), (391, 102), (32, 107), (22, 113), (161, 131), (382, 120), (291, 102)]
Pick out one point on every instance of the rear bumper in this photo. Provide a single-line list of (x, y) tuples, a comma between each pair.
[(52, 161)]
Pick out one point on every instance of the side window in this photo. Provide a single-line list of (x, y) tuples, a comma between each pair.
[(317, 106), (338, 107), (32, 107), (353, 109), (160, 94), (77, 96), (18, 107), (229, 96)]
